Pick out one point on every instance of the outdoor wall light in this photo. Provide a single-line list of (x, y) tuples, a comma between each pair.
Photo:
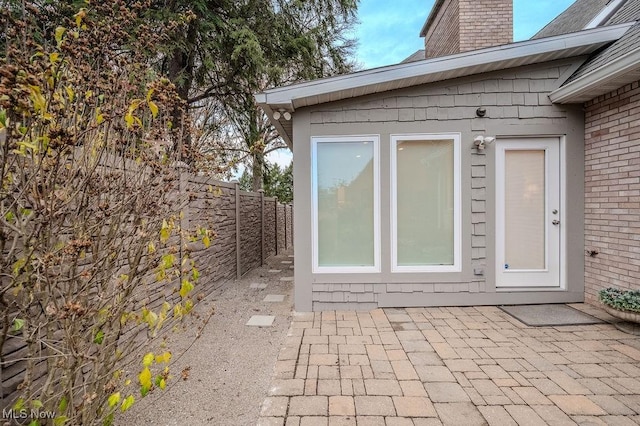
[(480, 142), (282, 113)]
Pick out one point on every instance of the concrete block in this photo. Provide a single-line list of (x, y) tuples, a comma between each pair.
[(261, 321)]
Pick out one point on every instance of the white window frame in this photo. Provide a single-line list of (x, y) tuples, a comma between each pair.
[(317, 269), (457, 200)]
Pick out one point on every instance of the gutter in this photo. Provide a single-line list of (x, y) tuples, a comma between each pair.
[(618, 67)]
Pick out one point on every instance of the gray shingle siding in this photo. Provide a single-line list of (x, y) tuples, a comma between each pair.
[(514, 99)]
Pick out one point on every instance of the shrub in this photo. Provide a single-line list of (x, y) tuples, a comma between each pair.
[(87, 223), (623, 300)]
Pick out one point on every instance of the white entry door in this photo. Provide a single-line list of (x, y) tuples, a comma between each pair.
[(528, 236)]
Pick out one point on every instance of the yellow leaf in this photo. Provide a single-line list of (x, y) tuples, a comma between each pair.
[(154, 108), (53, 57), (206, 241), (128, 402), (127, 382), (99, 118), (167, 261), (59, 33), (152, 318), (151, 247), (177, 310), (185, 288), (70, 93), (165, 357), (128, 118), (148, 359), (114, 399), (81, 14), (149, 94), (163, 384), (145, 378), (164, 231)]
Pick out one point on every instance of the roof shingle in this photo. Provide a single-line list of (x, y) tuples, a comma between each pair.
[(575, 18)]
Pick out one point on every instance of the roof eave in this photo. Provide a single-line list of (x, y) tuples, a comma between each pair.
[(261, 100), (586, 87), (408, 71)]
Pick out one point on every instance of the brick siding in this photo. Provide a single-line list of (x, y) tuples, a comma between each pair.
[(485, 23), (443, 37), (463, 25), (612, 191)]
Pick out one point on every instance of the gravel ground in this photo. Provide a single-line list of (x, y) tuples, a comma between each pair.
[(231, 364)]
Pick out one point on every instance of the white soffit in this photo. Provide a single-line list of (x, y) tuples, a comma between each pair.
[(613, 75), (437, 69)]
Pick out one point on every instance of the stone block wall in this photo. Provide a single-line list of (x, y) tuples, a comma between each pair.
[(270, 230), (204, 203), (612, 191), (250, 231)]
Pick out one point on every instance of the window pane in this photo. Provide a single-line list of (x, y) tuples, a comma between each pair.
[(425, 197), (345, 188), (524, 209)]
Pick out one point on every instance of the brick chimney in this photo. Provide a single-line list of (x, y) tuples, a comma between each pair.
[(455, 26)]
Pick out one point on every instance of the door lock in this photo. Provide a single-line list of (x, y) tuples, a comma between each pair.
[(556, 222)]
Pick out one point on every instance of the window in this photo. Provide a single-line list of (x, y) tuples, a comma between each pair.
[(425, 211), (345, 210)]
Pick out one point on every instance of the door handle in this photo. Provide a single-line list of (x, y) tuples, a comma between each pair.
[(555, 222)]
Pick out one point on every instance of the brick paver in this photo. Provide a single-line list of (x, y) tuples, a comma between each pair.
[(435, 366)]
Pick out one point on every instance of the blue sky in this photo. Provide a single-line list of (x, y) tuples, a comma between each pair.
[(389, 30)]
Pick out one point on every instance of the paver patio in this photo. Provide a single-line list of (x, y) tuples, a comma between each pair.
[(451, 366)]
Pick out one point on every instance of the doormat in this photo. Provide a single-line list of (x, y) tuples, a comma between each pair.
[(549, 315)]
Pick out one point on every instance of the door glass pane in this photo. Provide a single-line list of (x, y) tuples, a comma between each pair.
[(524, 209), (345, 203), (425, 197)]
